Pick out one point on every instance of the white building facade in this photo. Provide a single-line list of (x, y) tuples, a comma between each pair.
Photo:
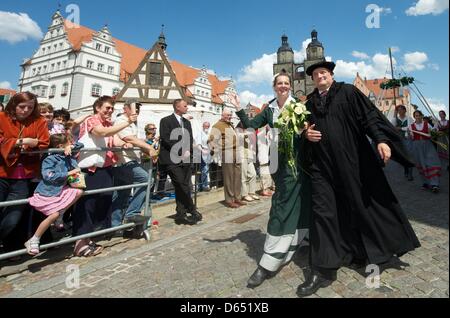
[(75, 65)]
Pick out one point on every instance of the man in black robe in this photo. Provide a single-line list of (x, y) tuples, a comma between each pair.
[(356, 218)]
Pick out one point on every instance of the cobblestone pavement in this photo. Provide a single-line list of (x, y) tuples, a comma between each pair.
[(216, 257)]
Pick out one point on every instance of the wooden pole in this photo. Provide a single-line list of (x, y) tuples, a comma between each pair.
[(392, 73)]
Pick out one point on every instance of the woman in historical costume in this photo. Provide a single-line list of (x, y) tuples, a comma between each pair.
[(443, 138), (289, 214), (425, 155)]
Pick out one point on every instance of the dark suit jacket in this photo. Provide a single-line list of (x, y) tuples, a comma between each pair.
[(166, 126)]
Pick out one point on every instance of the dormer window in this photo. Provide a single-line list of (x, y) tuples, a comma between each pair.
[(98, 47), (107, 48)]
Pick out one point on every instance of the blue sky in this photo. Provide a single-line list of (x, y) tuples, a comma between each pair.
[(238, 38)]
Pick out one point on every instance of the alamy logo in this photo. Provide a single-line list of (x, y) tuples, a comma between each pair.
[(373, 279), (73, 16), (73, 277), (373, 19)]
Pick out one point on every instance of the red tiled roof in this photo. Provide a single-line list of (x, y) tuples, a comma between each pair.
[(133, 55), (5, 91), (374, 86)]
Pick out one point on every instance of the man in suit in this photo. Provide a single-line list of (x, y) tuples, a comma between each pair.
[(175, 158)]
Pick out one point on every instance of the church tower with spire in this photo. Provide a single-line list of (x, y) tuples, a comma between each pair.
[(302, 84), (285, 57)]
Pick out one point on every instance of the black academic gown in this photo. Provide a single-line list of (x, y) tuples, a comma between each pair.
[(355, 214)]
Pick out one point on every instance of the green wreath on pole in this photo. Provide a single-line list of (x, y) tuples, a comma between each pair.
[(394, 83)]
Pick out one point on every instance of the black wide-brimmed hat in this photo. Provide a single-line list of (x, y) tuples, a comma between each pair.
[(325, 64)]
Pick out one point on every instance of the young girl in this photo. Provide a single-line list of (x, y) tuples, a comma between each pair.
[(53, 196)]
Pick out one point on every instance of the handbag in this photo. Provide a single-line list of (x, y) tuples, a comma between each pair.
[(77, 181), (89, 159)]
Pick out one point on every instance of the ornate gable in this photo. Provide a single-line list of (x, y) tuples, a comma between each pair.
[(153, 81)]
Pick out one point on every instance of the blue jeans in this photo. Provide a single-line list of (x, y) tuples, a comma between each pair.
[(10, 216), (204, 168), (129, 173)]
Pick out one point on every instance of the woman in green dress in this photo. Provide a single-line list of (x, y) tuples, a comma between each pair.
[(289, 214)]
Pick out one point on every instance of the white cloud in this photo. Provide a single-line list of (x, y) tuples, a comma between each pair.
[(379, 65), (415, 61), (385, 11), (5, 85), (436, 105), (15, 27), (423, 7), (261, 69), (378, 68), (360, 55), (256, 100), (434, 66), (300, 56)]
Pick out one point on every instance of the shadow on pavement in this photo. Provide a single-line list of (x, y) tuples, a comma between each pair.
[(254, 239)]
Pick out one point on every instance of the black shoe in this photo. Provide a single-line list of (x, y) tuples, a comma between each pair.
[(258, 277), (137, 219), (184, 219), (312, 284), (196, 216)]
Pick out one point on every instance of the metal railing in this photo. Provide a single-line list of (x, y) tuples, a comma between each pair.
[(147, 208)]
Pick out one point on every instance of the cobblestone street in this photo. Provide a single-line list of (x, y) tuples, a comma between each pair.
[(216, 257)]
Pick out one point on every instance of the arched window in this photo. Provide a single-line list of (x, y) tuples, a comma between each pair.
[(96, 90), (65, 89)]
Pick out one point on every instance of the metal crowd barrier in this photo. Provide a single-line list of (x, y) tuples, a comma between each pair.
[(147, 209)]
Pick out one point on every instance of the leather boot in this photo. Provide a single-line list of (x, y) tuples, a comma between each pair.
[(312, 284), (258, 277)]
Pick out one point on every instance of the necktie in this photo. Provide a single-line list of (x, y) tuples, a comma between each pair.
[(182, 125), (323, 97)]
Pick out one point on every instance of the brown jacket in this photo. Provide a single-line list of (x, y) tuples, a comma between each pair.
[(222, 140)]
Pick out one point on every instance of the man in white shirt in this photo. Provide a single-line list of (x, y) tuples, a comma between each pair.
[(205, 157), (129, 171)]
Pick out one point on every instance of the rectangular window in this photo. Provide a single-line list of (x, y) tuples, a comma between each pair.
[(100, 67), (43, 91), (110, 70), (90, 64), (107, 49), (156, 78), (98, 46)]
